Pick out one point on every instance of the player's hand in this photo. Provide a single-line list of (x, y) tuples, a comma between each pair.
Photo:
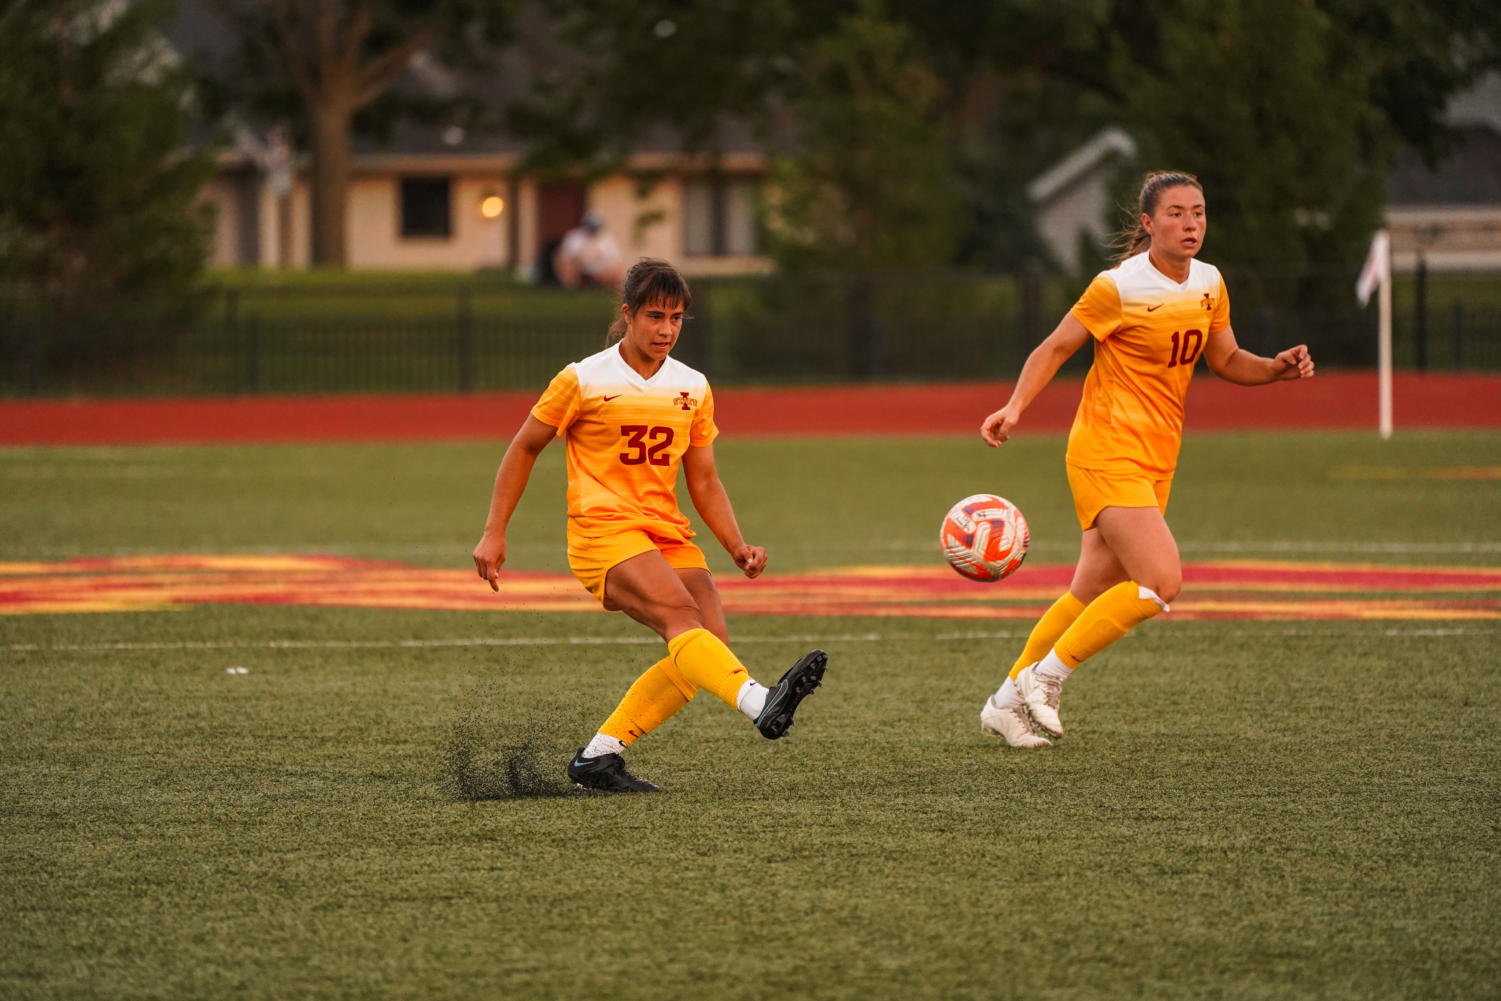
[(750, 559), (489, 557), (996, 428), (1294, 363)]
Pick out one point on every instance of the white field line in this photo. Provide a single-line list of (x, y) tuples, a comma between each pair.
[(524, 641)]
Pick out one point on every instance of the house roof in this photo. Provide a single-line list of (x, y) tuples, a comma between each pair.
[(1062, 175), (1469, 174), (1480, 105)]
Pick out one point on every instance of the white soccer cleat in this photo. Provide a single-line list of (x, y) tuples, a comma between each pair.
[(1011, 722), (1040, 693)]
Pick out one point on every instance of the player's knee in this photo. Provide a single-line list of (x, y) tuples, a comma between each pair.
[(679, 616), (1166, 586)]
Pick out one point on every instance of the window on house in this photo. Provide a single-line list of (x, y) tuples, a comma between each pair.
[(719, 216), (426, 206)]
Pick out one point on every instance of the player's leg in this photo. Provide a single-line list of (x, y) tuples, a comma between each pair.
[(1097, 571), (653, 593), (682, 606), (1144, 546), (1140, 542), (770, 708), (652, 699), (629, 574), (1006, 712)]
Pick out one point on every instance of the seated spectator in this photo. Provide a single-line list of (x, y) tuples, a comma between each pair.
[(588, 256)]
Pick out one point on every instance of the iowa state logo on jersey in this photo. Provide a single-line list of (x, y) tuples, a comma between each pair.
[(1208, 303), (685, 401)]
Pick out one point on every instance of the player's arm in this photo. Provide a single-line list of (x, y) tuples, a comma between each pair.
[(1042, 364), (713, 505), (1233, 363), (510, 483)]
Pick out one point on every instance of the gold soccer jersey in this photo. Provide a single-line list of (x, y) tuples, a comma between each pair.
[(625, 436), (1149, 331)]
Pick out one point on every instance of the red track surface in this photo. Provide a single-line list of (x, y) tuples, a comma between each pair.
[(1338, 400), (1220, 590)]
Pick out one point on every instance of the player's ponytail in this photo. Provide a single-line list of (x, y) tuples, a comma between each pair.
[(1133, 237), (649, 281)]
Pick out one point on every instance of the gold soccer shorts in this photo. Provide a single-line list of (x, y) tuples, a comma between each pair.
[(1094, 490)]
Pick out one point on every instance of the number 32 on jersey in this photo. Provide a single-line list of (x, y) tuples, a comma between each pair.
[(647, 444)]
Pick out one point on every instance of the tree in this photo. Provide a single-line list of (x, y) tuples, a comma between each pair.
[(1270, 108), (664, 71), (1291, 111), (1419, 54), (98, 185), (995, 99), (869, 185), (340, 57)]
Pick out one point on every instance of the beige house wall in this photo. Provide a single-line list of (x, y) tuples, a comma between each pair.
[(1450, 238), (646, 220), (526, 227), (225, 192), (375, 241), (220, 195)]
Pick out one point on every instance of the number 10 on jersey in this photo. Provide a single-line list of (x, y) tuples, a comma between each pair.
[(1186, 347)]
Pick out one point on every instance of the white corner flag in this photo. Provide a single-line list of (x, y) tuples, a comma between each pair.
[(1377, 273), (1377, 267)]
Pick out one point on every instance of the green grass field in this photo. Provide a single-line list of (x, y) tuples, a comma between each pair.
[(1244, 809)]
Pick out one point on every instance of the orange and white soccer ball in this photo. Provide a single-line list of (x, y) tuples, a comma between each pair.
[(985, 537)]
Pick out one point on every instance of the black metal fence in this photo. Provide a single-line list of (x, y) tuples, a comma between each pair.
[(458, 336)]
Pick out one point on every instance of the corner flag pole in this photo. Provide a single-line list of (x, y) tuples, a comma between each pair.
[(1377, 273), (1384, 353)]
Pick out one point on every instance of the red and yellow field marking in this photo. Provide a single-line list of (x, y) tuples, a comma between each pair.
[(1420, 473), (1219, 590)]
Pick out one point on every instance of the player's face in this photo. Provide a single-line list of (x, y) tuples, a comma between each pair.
[(652, 330), (1178, 222)]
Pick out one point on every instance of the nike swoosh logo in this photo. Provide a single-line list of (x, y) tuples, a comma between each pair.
[(1149, 309), (615, 397)]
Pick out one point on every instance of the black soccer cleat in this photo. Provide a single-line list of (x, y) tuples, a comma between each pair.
[(605, 773), (797, 684)]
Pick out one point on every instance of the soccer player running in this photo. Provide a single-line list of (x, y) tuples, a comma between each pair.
[(1150, 317), (630, 415)]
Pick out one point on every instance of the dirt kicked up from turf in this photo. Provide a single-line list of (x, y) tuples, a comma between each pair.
[(1220, 590), (1333, 401)]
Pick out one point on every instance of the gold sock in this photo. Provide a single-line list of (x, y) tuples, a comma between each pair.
[(1105, 620), (648, 703), (1045, 634), (707, 663)]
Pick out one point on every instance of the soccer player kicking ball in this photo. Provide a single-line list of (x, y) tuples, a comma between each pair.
[(1150, 317), (630, 415)]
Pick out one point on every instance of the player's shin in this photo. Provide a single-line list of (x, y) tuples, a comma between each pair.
[(1105, 620), (1049, 628), (648, 703), (704, 661)]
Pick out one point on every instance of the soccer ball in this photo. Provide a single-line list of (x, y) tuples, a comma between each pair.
[(984, 537)]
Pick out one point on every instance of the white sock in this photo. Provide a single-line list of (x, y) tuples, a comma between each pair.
[(603, 744), (1052, 666), (751, 698), (1007, 693)]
